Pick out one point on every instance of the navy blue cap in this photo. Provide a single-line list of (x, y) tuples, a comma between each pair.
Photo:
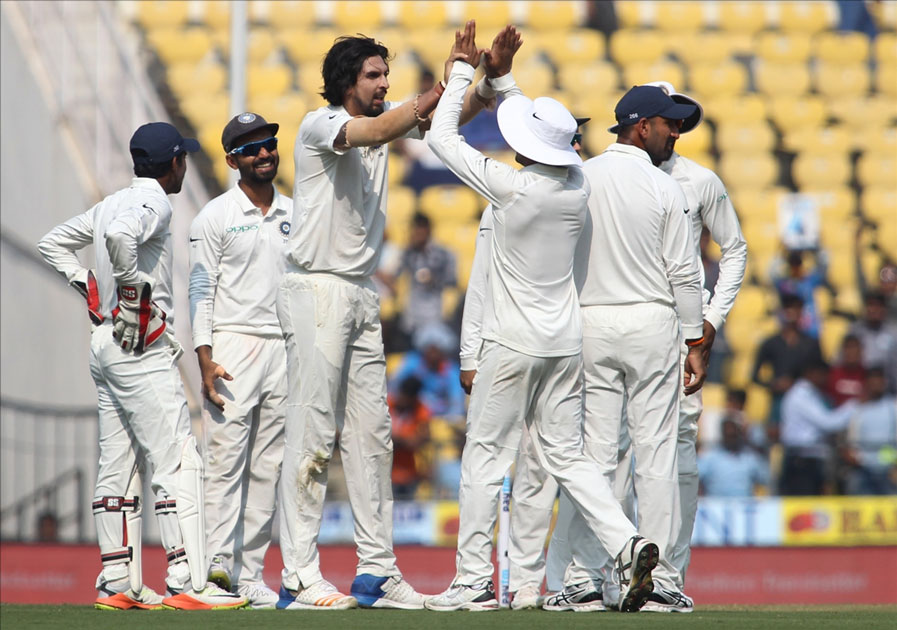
[(647, 101), (158, 143)]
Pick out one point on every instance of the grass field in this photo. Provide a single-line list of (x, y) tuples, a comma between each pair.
[(15, 616)]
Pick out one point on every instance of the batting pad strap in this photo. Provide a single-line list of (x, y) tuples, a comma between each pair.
[(176, 555), (166, 506), (122, 555), (116, 504)]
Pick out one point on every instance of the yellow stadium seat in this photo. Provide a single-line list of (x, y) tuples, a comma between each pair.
[(397, 168), (863, 111), (886, 80), (835, 204), (755, 204), (745, 17), (459, 237), (595, 76), (806, 16), (834, 139), (188, 78), (877, 139), (215, 14), (877, 169), (748, 169), (696, 142), (736, 110), (269, 79), (534, 78), (417, 14), (758, 402), (878, 201), (659, 70), (628, 46), (763, 240), (578, 45), (291, 14), (259, 48), (309, 79), (817, 170), (838, 80), (401, 204), (635, 13), (794, 112), (782, 46), (181, 45), (832, 331), (206, 110), (728, 78), (752, 304), (449, 204), (307, 45), (432, 46), (161, 13), (841, 47), (757, 136), (552, 15), (680, 17), (287, 109), (354, 16), (704, 47), (489, 14), (779, 80), (885, 47)]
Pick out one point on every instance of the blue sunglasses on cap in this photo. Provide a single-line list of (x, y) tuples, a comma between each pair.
[(251, 149)]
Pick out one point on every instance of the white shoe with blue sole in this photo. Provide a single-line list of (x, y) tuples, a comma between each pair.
[(375, 591)]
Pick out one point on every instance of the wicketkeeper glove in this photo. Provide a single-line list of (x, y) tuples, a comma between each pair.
[(138, 322), (85, 283)]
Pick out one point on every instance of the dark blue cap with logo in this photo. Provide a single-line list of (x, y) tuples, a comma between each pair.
[(158, 143), (647, 101)]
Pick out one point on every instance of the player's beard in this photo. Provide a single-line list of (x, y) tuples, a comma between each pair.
[(373, 109), (249, 173)]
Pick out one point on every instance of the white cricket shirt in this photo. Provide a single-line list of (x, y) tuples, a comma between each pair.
[(137, 221), (638, 246), (339, 198), (710, 205), (237, 257), (538, 212), (472, 319)]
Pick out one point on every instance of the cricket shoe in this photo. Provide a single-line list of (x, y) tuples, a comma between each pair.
[(322, 595), (527, 596), (582, 597), (633, 566), (109, 599), (374, 591), (219, 574), (258, 595), (476, 597), (665, 600), (210, 597)]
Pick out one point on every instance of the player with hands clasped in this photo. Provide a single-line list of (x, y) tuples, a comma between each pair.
[(143, 416), (328, 308), (237, 245), (639, 275), (529, 365)]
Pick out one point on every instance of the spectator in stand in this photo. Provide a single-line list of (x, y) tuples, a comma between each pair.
[(432, 362), (785, 354), (808, 426), (732, 469), (879, 338), (410, 432), (794, 279), (47, 527), (855, 16), (846, 379), (872, 440), (887, 275)]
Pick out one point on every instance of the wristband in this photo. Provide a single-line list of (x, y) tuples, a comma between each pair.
[(439, 88), (484, 91), (417, 110), (691, 343)]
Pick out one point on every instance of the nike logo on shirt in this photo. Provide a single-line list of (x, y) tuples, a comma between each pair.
[(193, 240)]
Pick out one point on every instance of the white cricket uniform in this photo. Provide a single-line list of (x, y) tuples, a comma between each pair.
[(237, 259), (329, 310), (529, 365), (141, 403), (636, 266)]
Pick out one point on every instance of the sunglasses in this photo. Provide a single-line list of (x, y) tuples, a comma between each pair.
[(577, 139), (251, 149)]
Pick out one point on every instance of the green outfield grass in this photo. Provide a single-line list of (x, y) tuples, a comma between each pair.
[(15, 616)]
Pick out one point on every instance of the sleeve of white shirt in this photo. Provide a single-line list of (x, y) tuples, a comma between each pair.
[(59, 245), (130, 228), (682, 262), (320, 128), (720, 218), (472, 319), (205, 260), (492, 179)]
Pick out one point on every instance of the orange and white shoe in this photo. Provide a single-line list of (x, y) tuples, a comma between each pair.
[(211, 597), (146, 599), (322, 595)]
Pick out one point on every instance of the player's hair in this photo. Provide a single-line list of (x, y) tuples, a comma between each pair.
[(738, 395), (420, 220), (153, 171), (344, 61)]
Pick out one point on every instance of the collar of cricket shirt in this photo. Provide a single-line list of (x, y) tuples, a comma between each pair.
[(630, 149)]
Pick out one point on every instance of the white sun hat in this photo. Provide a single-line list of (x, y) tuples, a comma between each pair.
[(683, 99), (541, 130)]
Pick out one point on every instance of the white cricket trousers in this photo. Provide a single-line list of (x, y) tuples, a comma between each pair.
[(142, 414), (631, 356), (244, 451), (513, 391), (336, 373)]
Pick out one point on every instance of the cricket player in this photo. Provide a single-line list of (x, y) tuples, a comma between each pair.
[(529, 365), (329, 312), (237, 249), (639, 275), (143, 417)]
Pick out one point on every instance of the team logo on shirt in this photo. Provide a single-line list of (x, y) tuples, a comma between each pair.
[(285, 228)]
